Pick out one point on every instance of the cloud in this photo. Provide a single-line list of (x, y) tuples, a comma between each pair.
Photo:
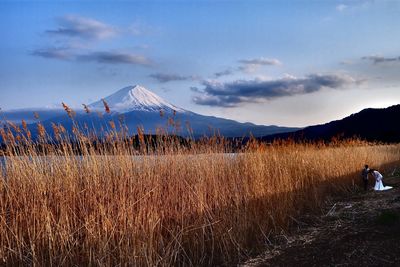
[(260, 61), (168, 77), (99, 57), (196, 89), (77, 36), (231, 94), (252, 65), (249, 66), (341, 7), (52, 52), (357, 5), (221, 101), (346, 62), (82, 27), (115, 58), (380, 59), (223, 73)]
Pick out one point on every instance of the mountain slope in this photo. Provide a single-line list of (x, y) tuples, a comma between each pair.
[(369, 124), (28, 114), (136, 106), (184, 124)]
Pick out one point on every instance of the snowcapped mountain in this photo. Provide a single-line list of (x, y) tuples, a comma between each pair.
[(138, 106), (135, 98)]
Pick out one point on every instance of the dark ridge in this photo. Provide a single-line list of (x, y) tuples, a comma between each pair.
[(375, 125)]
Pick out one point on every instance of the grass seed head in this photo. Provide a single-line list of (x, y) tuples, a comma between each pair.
[(106, 107), (86, 108)]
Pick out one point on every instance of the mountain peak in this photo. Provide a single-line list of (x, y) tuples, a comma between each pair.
[(135, 97), (133, 90)]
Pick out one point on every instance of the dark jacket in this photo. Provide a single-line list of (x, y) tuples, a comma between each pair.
[(364, 174)]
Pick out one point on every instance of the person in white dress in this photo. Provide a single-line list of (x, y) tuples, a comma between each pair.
[(378, 181)]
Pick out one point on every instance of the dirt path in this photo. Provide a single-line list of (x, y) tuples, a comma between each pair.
[(361, 230)]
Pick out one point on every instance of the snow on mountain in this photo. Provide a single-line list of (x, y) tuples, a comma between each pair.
[(133, 98), (141, 107)]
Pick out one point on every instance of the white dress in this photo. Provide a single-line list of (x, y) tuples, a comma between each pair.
[(378, 182)]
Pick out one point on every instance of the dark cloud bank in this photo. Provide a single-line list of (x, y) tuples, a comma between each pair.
[(115, 58), (223, 73), (231, 94), (380, 59), (99, 56)]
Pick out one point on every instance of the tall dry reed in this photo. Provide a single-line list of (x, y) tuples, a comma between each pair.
[(114, 204)]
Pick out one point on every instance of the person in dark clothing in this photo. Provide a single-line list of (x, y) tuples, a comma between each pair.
[(364, 175)]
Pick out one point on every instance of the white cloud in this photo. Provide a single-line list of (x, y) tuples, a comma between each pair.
[(341, 7), (83, 27)]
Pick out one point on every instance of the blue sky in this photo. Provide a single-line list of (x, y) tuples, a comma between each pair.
[(291, 63)]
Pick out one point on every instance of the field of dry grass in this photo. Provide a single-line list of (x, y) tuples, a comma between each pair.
[(173, 205)]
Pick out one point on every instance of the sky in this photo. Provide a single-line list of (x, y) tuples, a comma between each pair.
[(291, 63)]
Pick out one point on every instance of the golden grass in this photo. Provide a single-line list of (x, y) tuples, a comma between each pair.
[(175, 205)]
